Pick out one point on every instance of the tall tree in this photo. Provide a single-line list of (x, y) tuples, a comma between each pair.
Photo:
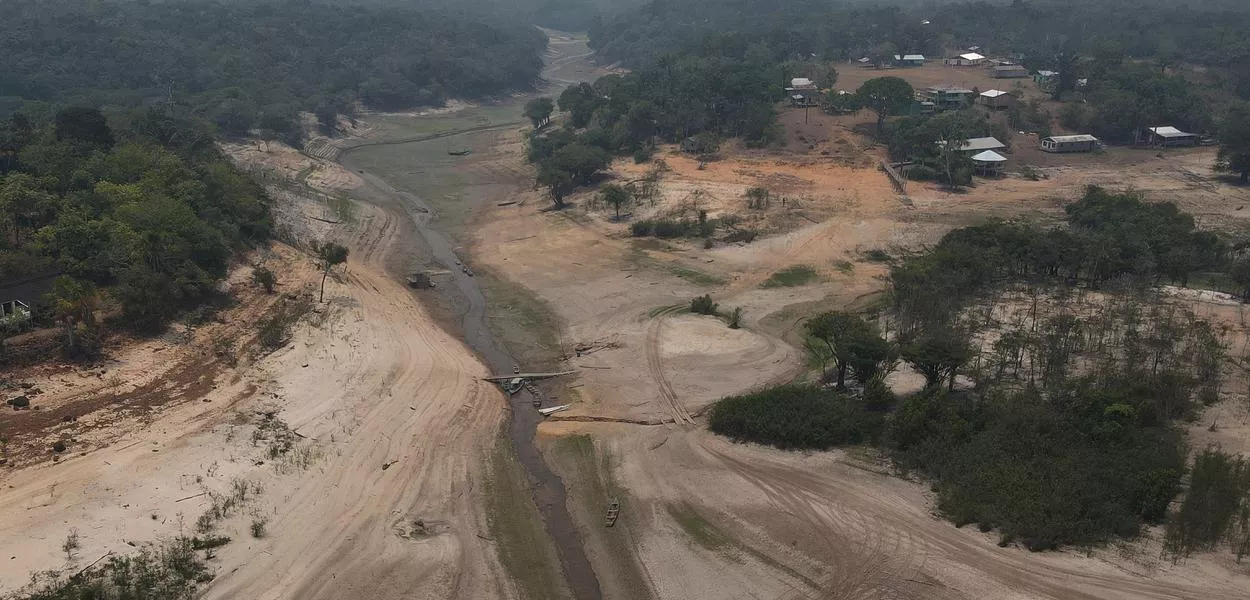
[(538, 111), (329, 255), (1234, 156), (855, 345), (887, 96), (616, 196)]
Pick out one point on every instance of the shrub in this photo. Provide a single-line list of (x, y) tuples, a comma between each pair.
[(741, 235), (641, 228), (265, 278), (643, 154), (795, 416), (59, 446), (703, 305), (735, 318), (209, 542), (258, 528), (921, 173), (790, 277)]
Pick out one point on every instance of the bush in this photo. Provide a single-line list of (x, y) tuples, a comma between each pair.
[(791, 277), (703, 305), (735, 318), (642, 228), (795, 416), (209, 542), (643, 154), (921, 173), (265, 278), (258, 528)]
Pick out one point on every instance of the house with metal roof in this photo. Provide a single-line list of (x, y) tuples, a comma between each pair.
[(967, 59), (996, 99), (1070, 143), (1009, 72), (1167, 136), (909, 60), (947, 98), (979, 145), (1081, 143)]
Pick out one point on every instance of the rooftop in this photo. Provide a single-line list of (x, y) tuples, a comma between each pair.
[(1045, 73), (1084, 137), (1169, 131), (980, 144), (989, 156), (909, 57), (944, 89), (971, 56), (799, 82), (993, 93)]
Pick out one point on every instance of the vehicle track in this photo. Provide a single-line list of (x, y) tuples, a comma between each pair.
[(656, 367)]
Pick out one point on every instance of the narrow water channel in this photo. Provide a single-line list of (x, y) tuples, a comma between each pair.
[(549, 492)]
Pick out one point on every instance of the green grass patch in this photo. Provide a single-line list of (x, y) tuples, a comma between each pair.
[(694, 276), (699, 529), (791, 277), (517, 528), (845, 267)]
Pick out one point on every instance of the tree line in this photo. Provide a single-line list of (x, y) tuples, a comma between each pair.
[(254, 65), (143, 212)]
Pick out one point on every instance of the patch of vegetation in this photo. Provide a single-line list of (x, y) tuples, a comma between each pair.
[(172, 571), (209, 542), (257, 527), (275, 329), (794, 276), (703, 305), (795, 416), (694, 276), (878, 255), (264, 278), (702, 531), (1216, 509)]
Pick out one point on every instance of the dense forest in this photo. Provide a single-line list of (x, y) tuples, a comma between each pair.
[(1073, 377), (143, 213), (248, 65)]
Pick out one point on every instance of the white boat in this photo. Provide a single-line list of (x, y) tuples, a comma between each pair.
[(555, 409)]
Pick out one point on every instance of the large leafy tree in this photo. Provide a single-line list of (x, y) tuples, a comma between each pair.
[(855, 345), (886, 96), (538, 111), (1234, 156)]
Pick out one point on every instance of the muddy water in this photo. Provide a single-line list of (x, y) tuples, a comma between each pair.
[(564, 63)]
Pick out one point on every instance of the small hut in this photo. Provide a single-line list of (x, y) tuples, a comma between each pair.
[(989, 163)]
